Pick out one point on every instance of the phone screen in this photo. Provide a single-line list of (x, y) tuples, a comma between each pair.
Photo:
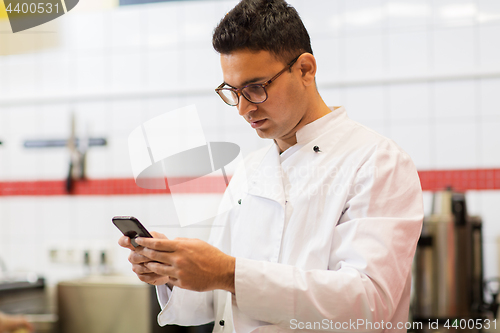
[(131, 227)]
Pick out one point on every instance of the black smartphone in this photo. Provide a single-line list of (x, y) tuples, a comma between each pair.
[(131, 227)]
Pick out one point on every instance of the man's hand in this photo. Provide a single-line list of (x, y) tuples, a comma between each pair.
[(191, 263), (139, 262), (10, 323)]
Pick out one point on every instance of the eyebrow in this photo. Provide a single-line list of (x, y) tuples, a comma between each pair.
[(247, 82)]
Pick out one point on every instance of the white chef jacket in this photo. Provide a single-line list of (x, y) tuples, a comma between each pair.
[(322, 239)]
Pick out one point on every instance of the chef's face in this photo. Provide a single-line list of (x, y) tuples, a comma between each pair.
[(277, 117)]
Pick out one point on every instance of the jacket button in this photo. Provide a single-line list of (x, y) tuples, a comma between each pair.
[(239, 201), (316, 149), (221, 323)]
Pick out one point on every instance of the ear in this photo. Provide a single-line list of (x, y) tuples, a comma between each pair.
[(307, 66)]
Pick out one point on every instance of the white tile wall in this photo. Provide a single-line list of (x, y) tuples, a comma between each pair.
[(198, 21), (489, 12), (363, 16), (200, 69), (162, 26), (93, 116), (128, 26), (489, 52), (126, 115), (491, 230), (427, 199), (162, 69), (85, 36), (449, 13), (364, 56), (454, 50), (410, 101), (4, 78), (158, 106), (23, 74), (405, 15), (92, 71), (455, 100), (489, 99), (127, 70), (321, 19), (55, 73), (329, 59), (23, 122), (4, 119), (212, 117), (166, 48), (490, 143), (419, 150), (408, 53), (489, 213), (456, 145), (366, 103), (379, 126), (332, 97)]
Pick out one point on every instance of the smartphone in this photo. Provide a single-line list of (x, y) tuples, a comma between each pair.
[(131, 227)]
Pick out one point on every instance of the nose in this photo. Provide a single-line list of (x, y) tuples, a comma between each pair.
[(245, 106)]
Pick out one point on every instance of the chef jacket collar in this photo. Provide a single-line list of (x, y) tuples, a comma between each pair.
[(312, 130), (267, 180)]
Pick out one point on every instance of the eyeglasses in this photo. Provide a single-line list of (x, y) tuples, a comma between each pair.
[(254, 93)]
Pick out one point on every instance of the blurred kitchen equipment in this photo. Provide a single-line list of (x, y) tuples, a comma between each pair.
[(78, 148), (103, 304), (112, 304), (448, 266), (26, 294)]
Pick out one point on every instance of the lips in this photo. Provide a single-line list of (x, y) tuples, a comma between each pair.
[(258, 123)]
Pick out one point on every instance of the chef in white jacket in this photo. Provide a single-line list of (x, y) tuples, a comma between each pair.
[(324, 235)]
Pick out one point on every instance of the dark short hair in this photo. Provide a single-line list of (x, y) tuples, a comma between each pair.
[(262, 25)]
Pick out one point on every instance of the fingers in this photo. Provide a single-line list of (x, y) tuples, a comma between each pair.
[(124, 241), (159, 244), (153, 255), (140, 257), (141, 269), (158, 235), (153, 279), (161, 269), (135, 257)]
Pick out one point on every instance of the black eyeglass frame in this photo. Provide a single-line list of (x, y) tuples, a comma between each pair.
[(239, 91)]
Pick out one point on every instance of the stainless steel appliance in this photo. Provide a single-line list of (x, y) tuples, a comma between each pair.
[(103, 304), (448, 266), (27, 295), (112, 304)]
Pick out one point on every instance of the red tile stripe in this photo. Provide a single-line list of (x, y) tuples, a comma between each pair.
[(113, 186), (460, 180), (431, 180)]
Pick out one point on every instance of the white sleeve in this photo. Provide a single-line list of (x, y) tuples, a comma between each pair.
[(164, 294), (184, 307), (370, 259)]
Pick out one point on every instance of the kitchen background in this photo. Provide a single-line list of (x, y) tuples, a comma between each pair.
[(425, 73)]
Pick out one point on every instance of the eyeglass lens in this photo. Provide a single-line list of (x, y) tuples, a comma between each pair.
[(253, 93)]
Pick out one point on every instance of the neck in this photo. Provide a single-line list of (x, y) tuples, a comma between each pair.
[(318, 110)]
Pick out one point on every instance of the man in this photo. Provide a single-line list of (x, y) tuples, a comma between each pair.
[(325, 235)]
